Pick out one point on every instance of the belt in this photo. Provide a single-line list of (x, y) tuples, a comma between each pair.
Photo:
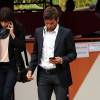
[(48, 71), (4, 63)]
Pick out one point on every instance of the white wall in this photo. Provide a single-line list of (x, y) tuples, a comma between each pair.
[(90, 89)]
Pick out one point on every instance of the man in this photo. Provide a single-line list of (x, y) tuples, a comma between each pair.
[(53, 50)]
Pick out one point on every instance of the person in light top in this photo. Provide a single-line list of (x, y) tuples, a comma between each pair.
[(13, 39)]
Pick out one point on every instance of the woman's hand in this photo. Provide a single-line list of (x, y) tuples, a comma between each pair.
[(11, 29)]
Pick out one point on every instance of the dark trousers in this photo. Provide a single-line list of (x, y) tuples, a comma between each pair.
[(49, 82), (7, 81)]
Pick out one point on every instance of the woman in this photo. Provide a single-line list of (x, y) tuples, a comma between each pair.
[(13, 40)]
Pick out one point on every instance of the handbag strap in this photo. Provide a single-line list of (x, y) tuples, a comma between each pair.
[(26, 58)]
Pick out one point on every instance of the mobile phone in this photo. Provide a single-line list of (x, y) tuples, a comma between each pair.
[(9, 25), (52, 58)]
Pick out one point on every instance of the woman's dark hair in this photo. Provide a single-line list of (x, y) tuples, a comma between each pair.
[(6, 14), (50, 13)]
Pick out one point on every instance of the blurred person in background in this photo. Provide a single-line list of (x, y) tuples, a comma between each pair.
[(70, 6)]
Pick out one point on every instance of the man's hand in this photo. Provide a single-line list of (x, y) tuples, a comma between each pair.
[(56, 60), (29, 75)]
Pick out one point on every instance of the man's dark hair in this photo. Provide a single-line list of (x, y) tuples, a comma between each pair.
[(50, 13), (6, 14)]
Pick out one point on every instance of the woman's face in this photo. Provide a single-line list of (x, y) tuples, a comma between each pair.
[(5, 24)]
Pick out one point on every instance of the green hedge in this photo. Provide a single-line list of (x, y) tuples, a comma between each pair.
[(84, 3), (78, 4)]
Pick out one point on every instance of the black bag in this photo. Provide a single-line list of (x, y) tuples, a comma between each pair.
[(21, 76), (22, 70)]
